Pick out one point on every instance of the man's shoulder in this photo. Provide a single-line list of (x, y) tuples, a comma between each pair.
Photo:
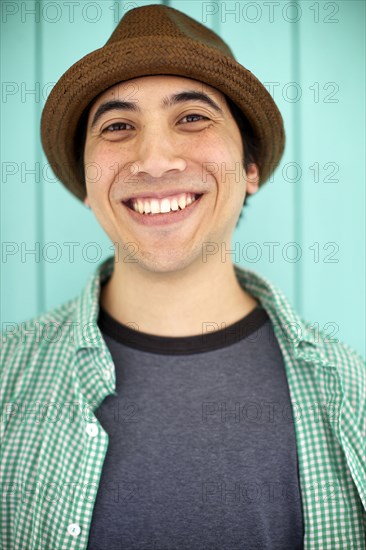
[(324, 344), (326, 341), (46, 328), (334, 350), (336, 354), (56, 316), (25, 339)]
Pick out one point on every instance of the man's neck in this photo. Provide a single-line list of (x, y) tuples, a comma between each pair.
[(176, 304)]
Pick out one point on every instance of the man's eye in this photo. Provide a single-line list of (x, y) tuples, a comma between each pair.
[(195, 117), (117, 126)]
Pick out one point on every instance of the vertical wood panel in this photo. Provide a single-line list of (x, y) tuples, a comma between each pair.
[(333, 103), (20, 181), (297, 152)]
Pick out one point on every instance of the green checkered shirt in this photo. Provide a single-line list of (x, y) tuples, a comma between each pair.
[(56, 370)]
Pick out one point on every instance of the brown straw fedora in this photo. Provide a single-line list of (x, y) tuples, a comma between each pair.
[(155, 40)]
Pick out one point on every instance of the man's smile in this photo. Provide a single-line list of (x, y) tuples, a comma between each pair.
[(163, 211), (154, 205)]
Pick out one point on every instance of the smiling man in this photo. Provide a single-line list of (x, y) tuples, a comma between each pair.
[(190, 406), (165, 195)]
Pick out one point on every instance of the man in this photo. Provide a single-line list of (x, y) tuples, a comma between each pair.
[(143, 428)]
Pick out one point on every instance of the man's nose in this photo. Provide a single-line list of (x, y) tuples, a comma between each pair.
[(157, 153)]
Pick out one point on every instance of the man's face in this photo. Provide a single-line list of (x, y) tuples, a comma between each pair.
[(164, 140)]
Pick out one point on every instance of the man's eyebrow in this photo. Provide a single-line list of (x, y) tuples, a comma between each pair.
[(169, 101), (191, 95), (115, 105)]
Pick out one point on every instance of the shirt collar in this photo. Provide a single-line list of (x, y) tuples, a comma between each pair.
[(88, 335), (93, 360), (290, 328), (277, 306)]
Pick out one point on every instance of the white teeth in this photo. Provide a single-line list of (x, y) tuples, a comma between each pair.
[(140, 205), (155, 207), (147, 208), (174, 204), (182, 202), (165, 205)]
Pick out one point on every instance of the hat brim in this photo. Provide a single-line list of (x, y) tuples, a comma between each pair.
[(112, 64)]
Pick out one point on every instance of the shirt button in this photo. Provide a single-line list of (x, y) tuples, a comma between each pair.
[(74, 529), (92, 430)]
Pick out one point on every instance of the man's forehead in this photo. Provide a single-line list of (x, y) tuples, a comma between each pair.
[(132, 90)]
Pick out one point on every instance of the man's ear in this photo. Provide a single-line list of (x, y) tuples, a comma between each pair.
[(252, 178)]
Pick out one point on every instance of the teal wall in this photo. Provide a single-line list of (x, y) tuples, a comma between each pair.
[(311, 57)]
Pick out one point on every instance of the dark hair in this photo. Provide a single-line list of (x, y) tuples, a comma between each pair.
[(250, 145), (80, 138)]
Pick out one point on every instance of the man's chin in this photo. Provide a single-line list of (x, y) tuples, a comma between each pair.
[(169, 261)]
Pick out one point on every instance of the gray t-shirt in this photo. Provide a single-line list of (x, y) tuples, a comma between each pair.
[(202, 448)]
